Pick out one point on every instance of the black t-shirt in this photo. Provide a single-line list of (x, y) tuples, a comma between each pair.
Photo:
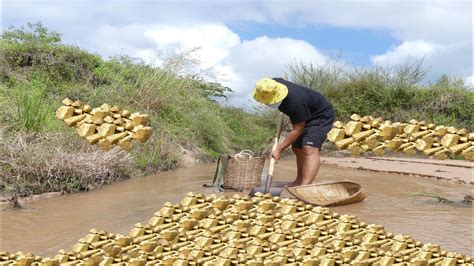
[(303, 104)]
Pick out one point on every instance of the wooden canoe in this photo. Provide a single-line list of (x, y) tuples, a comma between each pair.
[(328, 194)]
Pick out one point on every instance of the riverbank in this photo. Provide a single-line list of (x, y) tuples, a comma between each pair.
[(452, 170)]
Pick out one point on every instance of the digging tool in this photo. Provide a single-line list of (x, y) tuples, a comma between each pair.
[(267, 188)]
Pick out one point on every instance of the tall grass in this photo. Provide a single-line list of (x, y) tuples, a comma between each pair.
[(30, 110), (44, 162)]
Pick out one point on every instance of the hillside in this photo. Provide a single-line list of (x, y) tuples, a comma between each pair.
[(39, 153)]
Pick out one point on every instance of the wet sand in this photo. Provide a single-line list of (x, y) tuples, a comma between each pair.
[(452, 170), (47, 225)]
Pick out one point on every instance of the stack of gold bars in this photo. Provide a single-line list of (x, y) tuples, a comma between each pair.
[(264, 230), (369, 134), (105, 125)]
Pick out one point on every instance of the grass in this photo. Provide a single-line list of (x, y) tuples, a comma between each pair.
[(37, 163), (467, 200), (397, 94), (31, 112), (431, 195), (40, 154)]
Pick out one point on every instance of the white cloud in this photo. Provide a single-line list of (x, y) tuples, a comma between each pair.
[(469, 80), (109, 40), (437, 30), (235, 63), (207, 43), (399, 54), (410, 49), (264, 57), (213, 40), (440, 20), (439, 59), (432, 20)]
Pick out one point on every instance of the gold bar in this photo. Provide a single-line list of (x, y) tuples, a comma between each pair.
[(64, 112), (336, 134), (353, 127)]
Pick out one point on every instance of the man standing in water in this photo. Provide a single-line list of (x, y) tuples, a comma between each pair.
[(311, 116)]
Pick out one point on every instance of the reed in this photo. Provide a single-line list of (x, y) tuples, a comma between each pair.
[(433, 195), (31, 111)]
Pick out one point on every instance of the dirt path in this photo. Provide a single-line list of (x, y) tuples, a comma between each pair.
[(457, 171)]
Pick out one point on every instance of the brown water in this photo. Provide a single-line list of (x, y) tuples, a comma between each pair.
[(45, 226)]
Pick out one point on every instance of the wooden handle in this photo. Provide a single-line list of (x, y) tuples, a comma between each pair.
[(271, 167)]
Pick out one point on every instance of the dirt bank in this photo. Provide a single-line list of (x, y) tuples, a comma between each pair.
[(456, 171)]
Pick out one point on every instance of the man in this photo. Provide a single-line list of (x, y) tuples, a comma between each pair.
[(311, 116)]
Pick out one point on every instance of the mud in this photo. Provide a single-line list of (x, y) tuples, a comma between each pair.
[(456, 171)]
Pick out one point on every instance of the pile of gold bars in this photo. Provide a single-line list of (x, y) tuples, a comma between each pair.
[(105, 125), (369, 134), (264, 230)]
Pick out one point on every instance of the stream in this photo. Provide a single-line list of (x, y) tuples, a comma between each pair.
[(44, 226)]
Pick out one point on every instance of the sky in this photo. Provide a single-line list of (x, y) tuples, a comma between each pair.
[(239, 42)]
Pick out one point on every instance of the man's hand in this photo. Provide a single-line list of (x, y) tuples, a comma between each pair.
[(292, 137), (276, 154)]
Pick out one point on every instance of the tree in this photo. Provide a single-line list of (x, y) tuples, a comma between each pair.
[(33, 33)]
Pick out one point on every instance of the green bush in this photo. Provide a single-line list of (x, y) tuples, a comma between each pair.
[(35, 47), (397, 94)]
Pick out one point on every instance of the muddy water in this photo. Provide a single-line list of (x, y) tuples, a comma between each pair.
[(45, 226)]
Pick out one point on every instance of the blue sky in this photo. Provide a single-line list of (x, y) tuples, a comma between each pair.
[(240, 41), (353, 45)]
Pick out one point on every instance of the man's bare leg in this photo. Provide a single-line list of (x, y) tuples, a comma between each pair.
[(311, 162), (299, 165)]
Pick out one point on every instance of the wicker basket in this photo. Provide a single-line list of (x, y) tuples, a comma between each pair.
[(243, 171), (328, 194)]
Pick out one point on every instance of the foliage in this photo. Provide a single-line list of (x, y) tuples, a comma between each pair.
[(35, 47), (397, 94), (31, 112), (38, 72), (33, 33)]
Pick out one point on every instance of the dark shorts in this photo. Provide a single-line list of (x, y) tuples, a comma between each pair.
[(316, 132)]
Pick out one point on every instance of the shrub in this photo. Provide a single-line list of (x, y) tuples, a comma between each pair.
[(397, 94)]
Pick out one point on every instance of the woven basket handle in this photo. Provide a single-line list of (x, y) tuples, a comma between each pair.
[(247, 154)]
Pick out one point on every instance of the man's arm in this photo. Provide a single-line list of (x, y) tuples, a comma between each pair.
[(292, 137)]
